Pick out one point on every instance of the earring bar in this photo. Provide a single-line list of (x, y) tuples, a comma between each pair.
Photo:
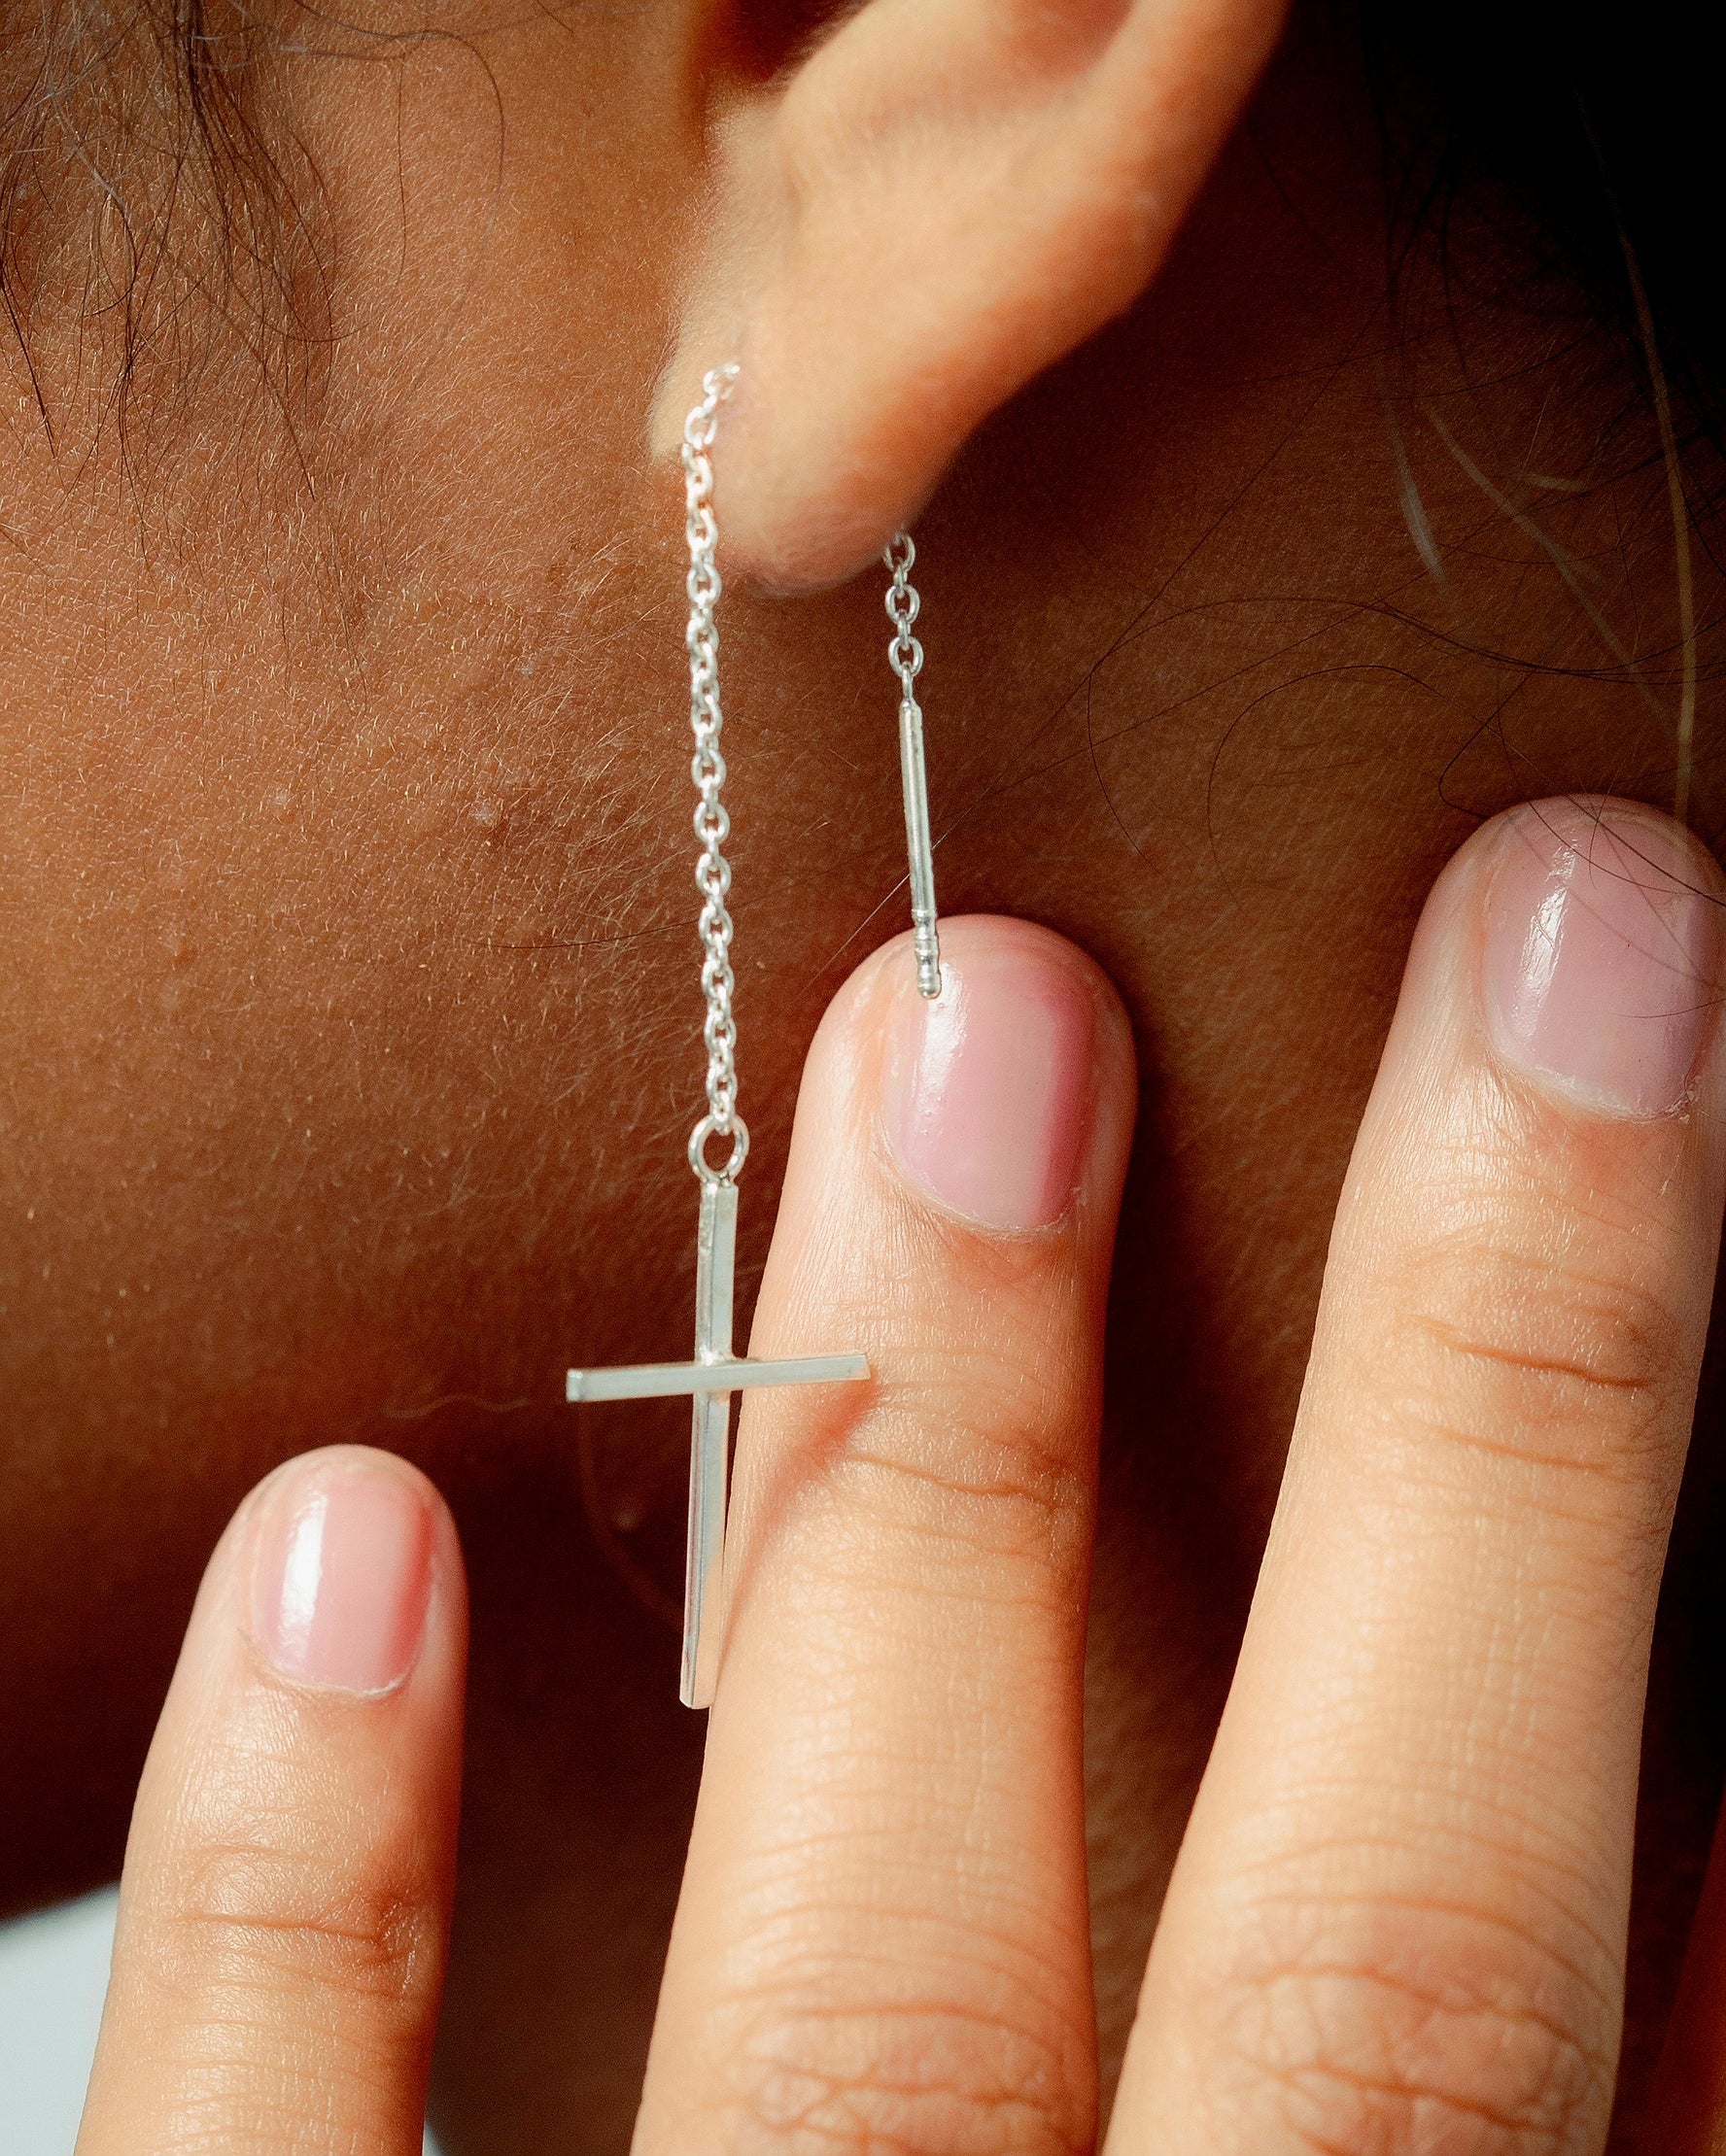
[(905, 655)]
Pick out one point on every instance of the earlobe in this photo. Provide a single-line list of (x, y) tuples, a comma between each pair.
[(917, 205)]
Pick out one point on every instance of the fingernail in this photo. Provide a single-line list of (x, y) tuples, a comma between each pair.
[(989, 1087), (1600, 956), (341, 1575)]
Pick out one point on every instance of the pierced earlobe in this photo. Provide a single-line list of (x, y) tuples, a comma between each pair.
[(906, 210)]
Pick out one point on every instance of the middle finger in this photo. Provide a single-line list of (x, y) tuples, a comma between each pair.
[(883, 1937)]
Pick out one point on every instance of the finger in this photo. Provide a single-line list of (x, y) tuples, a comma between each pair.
[(883, 1939), (280, 1948), (1398, 1920)]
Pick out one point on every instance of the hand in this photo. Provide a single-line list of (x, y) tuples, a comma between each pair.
[(1398, 1920)]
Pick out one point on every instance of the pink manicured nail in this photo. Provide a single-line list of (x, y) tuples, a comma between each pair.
[(341, 1575), (989, 1089), (1600, 956)]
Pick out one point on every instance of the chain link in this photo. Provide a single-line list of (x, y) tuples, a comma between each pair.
[(906, 657), (903, 654), (713, 824)]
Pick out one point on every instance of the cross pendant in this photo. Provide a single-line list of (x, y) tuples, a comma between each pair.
[(711, 1379)]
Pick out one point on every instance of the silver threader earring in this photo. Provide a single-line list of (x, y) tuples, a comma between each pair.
[(715, 1372), (905, 655)]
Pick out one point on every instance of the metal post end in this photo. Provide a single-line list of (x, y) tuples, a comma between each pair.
[(927, 945)]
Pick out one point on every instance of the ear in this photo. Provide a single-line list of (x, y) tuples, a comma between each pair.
[(910, 219)]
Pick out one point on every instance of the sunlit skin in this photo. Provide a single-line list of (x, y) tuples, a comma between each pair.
[(351, 1015)]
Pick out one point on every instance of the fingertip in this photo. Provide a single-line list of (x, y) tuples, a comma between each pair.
[(335, 1572), (1595, 940), (1571, 818), (341, 1572), (967, 935), (1010, 1093)]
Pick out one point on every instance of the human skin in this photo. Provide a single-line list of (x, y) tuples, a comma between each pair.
[(347, 889)]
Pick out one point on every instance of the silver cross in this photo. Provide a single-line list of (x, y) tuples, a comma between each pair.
[(713, 1378), (716, 1373)]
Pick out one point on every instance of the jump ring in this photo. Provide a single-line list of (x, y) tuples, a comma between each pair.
[(710, 1126)]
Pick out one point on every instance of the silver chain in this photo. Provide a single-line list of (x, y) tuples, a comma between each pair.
[(713, 824), (906, 657)]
